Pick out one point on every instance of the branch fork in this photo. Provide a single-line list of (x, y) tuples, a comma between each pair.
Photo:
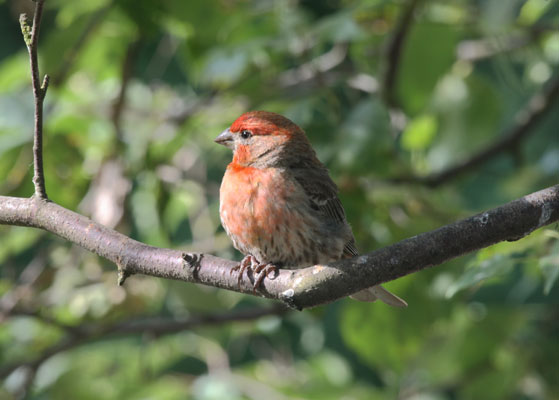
[(31, 39)]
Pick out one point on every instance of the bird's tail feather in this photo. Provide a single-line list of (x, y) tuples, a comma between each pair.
[(378, 292)]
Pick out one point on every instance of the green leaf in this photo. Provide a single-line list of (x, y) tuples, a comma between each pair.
[(428, 54), (477, 272), (14, 72), (532, 10), (550, 268), (419, 133), (340, 27), (224, 66)]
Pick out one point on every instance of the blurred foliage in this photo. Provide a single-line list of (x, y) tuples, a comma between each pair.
[(485, 326)]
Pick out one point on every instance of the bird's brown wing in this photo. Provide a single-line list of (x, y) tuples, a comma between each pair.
[(323, 195)]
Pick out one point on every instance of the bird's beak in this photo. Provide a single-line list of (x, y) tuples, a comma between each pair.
[(225, 138)]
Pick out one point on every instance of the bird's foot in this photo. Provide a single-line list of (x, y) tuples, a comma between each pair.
[(248, 262), (259, 270), (263, 271)]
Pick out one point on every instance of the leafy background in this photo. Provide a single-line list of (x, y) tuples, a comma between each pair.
[(139, 91)]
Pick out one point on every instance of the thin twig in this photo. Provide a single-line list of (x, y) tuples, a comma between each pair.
[(126, 74), (155, 327), (314, 68), (6, 314), (24, 288), (474, 50), (31, 38), (179, 117), (526, 120)]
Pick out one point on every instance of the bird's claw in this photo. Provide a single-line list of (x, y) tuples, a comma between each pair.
[(263, 271), (249, 262), (259, 270)]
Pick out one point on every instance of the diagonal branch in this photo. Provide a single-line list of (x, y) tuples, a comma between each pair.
[(154, 326), (526, 120), (302, 288), (474, 50), (31, 38)]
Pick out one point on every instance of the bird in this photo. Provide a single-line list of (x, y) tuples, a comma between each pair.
[(278, 204)]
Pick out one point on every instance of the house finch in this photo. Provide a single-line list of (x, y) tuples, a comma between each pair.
[(278, 204)]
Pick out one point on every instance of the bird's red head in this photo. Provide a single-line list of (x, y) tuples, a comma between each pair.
[(262, 139), (262, 123)]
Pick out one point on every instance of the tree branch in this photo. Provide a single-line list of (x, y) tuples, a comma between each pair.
[(393, 54), (526, 120), (301, 288), (154, 326), (31, 38)]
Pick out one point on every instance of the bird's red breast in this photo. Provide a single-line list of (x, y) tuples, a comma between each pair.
[(257, 209)]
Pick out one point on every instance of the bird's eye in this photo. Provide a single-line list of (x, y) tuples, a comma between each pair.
[(245, 134)]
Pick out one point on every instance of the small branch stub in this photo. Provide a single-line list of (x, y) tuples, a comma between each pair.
[(122, 274), (45, 86), (193, 260)]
